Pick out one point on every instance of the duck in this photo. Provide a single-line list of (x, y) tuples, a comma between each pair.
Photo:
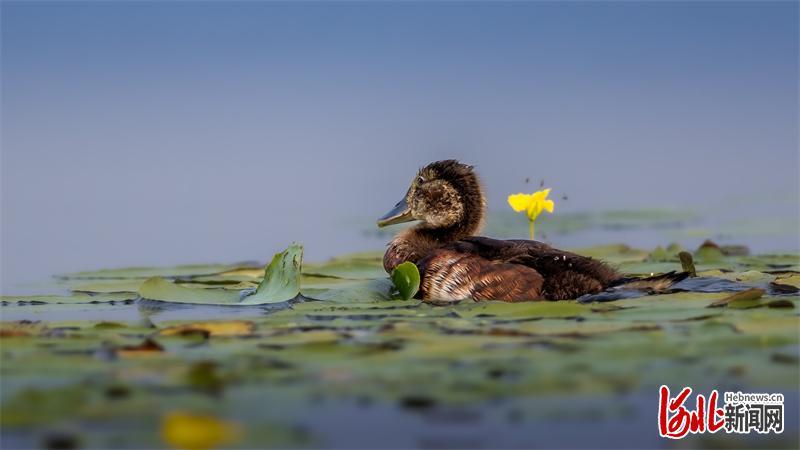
[(447, 200)]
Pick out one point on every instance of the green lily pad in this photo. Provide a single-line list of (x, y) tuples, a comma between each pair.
[(281, 282), (357, 291), (281, 278), (75, 298), (166, 291), (406, 279)]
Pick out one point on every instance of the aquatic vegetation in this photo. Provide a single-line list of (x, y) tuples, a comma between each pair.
[(532, 205), (406, 279), (189, 431), (115, 366), (280, 283)]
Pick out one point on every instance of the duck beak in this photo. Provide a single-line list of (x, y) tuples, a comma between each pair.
[(399, 214)]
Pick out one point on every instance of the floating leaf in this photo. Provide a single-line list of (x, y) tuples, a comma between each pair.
[(281, 283), (76, 298), (709, 251), (281, 278), (742, 298), (521, 310), (353, 291), (215, 328), (789, 280), (406, 279), (166, 291)]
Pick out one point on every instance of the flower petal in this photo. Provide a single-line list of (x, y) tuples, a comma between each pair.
[(548, 206), (519, 202), (534, 210)]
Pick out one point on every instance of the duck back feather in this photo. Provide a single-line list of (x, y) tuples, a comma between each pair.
[(510, 270)]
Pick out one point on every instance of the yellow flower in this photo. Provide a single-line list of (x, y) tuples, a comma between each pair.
[(190, 431), (532, 204)]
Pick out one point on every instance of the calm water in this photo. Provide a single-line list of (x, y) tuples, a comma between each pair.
[(159, 133), (776, 234)]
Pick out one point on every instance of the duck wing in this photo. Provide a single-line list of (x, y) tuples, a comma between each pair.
[(511, 270), (454, 274)]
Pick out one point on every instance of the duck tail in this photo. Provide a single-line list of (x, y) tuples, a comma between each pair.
[(654, 284)]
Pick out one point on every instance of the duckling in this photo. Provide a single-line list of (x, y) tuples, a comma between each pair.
[(455, 263)]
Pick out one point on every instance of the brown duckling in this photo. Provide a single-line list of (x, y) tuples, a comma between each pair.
[(454, 263)]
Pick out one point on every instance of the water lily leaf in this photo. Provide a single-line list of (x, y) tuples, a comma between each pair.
[(406, 279), (280, 284), (234, 286), (743, 299), (708, 251), (353, 291), (584, 329), (522, 310), (297, 338), (281, 278), (753, 276), (772, 262), (166, 291), (76, 298), (215, 328), (660, 254), (763, 325), (789, 280), (237, 274), (746, 303)]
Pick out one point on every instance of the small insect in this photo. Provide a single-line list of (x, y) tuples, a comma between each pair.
[(527, 180), (564, 197), (541, 184)]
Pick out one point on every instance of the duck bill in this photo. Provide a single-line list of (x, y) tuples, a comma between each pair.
[(399, 214)]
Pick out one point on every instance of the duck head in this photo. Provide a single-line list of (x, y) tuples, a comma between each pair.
[(444, 195)]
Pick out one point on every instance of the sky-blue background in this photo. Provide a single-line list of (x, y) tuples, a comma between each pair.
[(161, 132)]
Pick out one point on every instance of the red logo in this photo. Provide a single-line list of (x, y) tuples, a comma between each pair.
[(675, 421)]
